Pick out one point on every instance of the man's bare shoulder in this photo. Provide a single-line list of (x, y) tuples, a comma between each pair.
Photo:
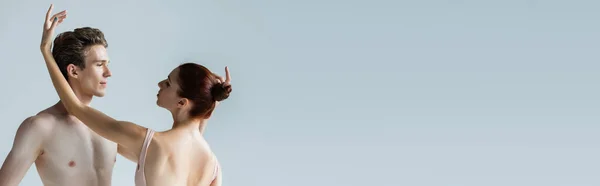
[(40, 124)]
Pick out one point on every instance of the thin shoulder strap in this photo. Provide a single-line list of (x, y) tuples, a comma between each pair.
[(142, 159), (216, 171)]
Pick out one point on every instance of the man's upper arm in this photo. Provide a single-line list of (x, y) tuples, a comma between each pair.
[(26, 147)]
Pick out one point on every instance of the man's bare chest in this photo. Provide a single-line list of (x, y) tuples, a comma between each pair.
[(77, 148)]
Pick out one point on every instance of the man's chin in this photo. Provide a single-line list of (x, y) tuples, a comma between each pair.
[(99, 94)]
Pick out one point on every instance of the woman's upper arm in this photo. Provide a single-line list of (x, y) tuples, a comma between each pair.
[(127, 134)]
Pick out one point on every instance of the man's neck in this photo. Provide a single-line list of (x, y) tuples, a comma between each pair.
[(83, 98)]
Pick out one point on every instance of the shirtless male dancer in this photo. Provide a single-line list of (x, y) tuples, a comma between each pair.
[(65, 151)]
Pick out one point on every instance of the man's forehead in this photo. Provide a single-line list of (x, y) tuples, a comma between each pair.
[(97, 54)]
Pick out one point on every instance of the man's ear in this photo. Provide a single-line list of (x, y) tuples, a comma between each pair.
[(72, 71)]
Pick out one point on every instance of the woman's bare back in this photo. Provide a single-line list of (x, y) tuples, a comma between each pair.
[(180, 159)]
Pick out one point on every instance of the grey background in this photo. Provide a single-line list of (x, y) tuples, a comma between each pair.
[(419, 93)]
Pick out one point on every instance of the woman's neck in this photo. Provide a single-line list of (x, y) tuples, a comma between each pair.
[(190, 124)]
